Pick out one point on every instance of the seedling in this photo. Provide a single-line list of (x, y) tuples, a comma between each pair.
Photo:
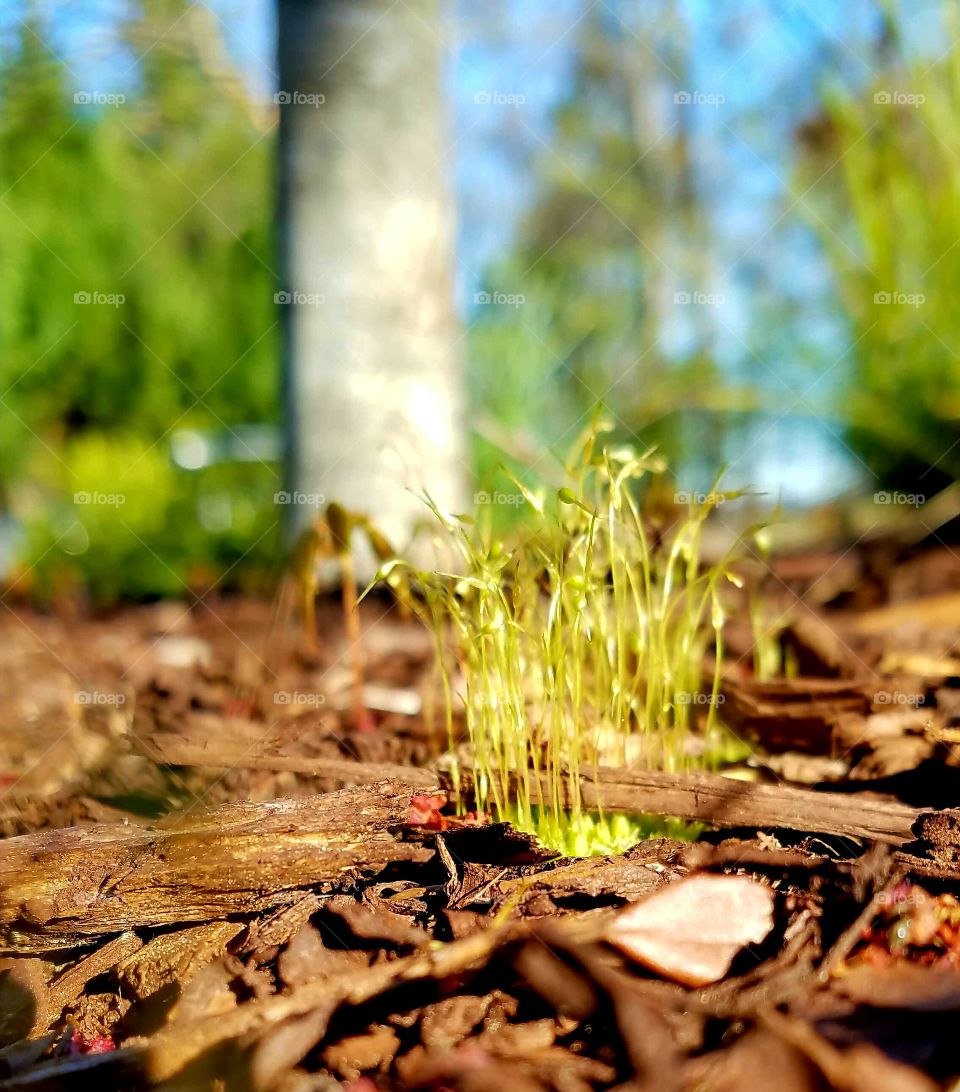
[(581, 641), (329, 538), (768, 654)]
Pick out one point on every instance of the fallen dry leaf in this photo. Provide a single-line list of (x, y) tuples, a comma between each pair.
[(690, 930)]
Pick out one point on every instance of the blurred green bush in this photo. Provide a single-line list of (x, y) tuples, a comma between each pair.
[(888, 215), (136, 239), (161, 531), (136, 242)]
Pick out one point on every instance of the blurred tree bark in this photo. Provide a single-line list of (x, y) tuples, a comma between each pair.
[(372, 375)]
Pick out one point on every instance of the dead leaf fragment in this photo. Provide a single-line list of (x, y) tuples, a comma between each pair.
[(691, 929)]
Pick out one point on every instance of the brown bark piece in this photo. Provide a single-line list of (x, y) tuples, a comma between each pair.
[(227, 753), (758, 1060), (377, 923), (819, 650), (357, 1054), (23, 996), (622, 878), (798, 714), (69, 985), (861, 1066), (724, 802), (62, 887), (930, 612), (446, 1023), (175, 957), (902, 986)]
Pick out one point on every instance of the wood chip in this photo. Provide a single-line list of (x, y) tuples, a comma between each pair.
[(67, 886)]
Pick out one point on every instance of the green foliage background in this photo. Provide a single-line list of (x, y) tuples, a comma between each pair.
[(165, 200), (890, 222), (616, 220)]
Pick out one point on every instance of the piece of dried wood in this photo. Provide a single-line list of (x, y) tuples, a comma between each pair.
[(724, 802), (861, 1066), (68, 986), (929, 612), (820, 651), (174, 957), (795, 714), (210, 1045), (226, 754), (727, 803), (63, 887)]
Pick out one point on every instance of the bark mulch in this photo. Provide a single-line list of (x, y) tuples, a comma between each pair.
[(210, 878)]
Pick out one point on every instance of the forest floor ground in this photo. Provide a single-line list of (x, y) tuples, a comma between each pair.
[(211, 877)]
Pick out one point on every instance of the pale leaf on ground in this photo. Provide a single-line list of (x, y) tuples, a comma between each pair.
[(691, 930)]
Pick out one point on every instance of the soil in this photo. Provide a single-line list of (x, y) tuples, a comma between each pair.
[(211, 877)]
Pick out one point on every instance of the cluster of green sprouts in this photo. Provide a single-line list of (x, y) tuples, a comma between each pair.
[(580, 641)]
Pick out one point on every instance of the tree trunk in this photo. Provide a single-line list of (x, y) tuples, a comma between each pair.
[(372, 376)]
